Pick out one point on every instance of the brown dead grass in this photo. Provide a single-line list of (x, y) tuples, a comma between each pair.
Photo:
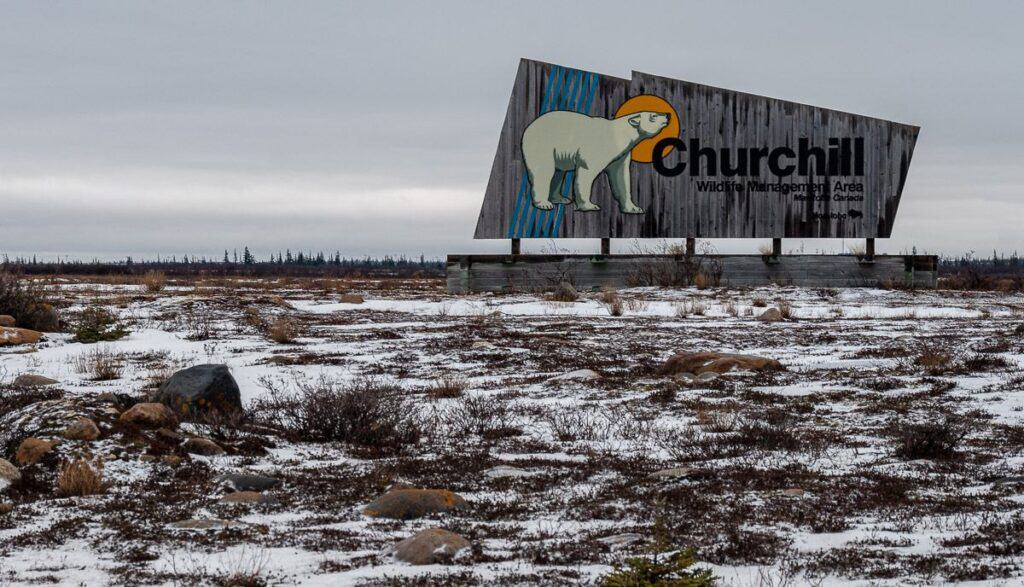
[(79, 478)]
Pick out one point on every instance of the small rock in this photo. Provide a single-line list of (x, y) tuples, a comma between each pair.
[(149, 458), (707, 376), (150, 415), (578, 375), (170, 436), (7, 320), (713, 362), (82, 429), (431, 546), (351, 298), (202, 390), (30, 380), (32, 450), (202, 446), (249, 497), (793, 492), (504, 472), (6, 508), (770, 315), (9, 474), (409, 504), (241, 482), (673, 473), (172, 460), (204, 524), (13, 336), (482, 344), (622, 540), (685, 378)]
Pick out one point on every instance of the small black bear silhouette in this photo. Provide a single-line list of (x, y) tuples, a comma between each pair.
[(855, 214)]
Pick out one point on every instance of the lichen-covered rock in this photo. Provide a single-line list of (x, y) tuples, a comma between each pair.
[(429, 547), (409, 504), (200, 391), (33, 450), (13, 336), (202, 446), (82, 429), (9, 474), (770, 315), (710, 362), (150, 415), (32, 380)]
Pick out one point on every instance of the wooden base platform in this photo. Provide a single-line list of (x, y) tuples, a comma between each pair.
[(528, 273)]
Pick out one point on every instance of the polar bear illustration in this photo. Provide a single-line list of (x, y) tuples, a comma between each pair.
[(567, 141)]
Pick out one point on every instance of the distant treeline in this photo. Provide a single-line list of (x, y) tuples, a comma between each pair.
[(997, 264), (301, 264)]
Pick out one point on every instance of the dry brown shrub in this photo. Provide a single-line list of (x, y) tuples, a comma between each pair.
[(447, 387), (785, 309), (283, 330), (100, 364), (759, 302), (78, 478), (154, 281)]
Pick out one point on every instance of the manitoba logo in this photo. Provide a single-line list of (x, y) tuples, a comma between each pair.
[(570, 142)]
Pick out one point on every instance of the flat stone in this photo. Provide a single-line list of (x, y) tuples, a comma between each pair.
[(793, 492), (243, 482), (202, 446), (32, 380), (249, 497), (430, 547), (622, 540), (714, 362), (770, 315), (212, 524), (32, 450), (82, 429), (409, 504), (504, 472), (578, 375), (150, 415), (673, 473), (7, 320), (482, 344), (351, 298)]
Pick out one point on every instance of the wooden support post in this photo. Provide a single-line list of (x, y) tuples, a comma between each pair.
[(606, 246), (869, 250), (776, 247), (691, 247), (515, 246)]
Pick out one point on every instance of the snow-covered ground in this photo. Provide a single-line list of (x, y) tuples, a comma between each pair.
[(793, 475)]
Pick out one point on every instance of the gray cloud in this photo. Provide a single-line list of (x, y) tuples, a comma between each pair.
[(145, 128)]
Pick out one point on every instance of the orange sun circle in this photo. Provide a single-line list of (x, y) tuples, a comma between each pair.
[(643, 152)]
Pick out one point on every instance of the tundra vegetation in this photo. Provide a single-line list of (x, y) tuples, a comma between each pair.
[(390, 434)]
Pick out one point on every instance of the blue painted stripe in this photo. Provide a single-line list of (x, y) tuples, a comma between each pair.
[(524, 185), (591, 92), (526, 228), (542, 228)]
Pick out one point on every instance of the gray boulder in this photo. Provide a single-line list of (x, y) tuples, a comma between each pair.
[(201, 391)]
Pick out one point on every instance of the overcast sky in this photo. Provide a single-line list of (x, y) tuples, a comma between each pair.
[(190, 127)]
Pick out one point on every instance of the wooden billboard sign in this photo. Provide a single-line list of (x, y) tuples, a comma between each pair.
[(585, 155)]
